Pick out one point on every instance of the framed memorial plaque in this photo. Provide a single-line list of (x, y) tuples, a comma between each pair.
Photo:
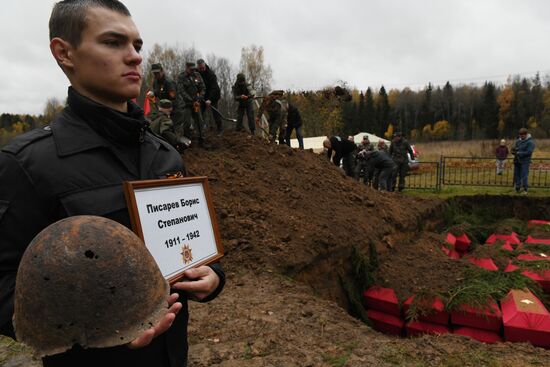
[(176, 220)]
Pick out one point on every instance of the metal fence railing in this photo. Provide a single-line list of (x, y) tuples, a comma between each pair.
[(426, 176), (468, 171)]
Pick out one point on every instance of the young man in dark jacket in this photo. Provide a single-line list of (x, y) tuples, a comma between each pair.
[(77, 164)]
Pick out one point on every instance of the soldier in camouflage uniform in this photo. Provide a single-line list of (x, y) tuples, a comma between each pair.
[(161, 123), (190, 94), (398, 151), (361, 167), (243, 95), (276, 109), (163, 87)]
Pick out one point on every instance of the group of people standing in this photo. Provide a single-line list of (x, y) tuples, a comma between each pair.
[(383, 168), (179, 108)]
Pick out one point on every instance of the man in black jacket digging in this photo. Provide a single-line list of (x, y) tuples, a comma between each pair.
[(212, 93), (343, 152), (76, 166)]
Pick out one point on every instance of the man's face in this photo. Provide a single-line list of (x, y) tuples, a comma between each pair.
[(522, 136), (158, 74), (106, 66), (201, 67)]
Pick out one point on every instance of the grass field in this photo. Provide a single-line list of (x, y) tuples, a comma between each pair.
[(473, 148)]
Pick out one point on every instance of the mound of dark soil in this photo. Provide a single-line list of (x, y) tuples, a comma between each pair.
[(289, 220)]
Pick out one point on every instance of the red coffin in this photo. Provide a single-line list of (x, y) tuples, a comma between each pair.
[(536, 222), (512, 238), (451, 239), (540, 241), (484, 336), (437, 315), (487, 264), (382, 299), (534, 257), (488, 318), (462, 243), (415, 328), (385, 323), (507, 246), (510, 267), (453, 254), (542, 278), (525, 319)]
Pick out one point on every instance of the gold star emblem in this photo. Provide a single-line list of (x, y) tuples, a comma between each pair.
[(527, 301), (186, 254)]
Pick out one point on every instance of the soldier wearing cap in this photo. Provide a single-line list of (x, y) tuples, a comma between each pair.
[(361, 167), (212, 92), (163, 87), (398, 151), (243, 95), (191, 92), (161, 123)]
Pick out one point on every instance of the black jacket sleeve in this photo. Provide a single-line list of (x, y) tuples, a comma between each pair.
[(22, 215)]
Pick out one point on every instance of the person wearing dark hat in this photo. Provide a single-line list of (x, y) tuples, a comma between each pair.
[(398, 152), (76, 166), (212, 92), (522, 150), (243, 95), (191, 91), (163, 87)]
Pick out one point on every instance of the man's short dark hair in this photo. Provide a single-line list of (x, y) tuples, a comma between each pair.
[(68, 18)]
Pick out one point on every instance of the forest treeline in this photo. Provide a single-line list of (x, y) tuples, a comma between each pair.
[(449, 112)]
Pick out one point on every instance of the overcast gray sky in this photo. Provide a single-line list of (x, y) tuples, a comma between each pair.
[(309, 44)]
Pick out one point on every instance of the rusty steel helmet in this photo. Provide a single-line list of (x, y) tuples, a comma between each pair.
[(86, 280)]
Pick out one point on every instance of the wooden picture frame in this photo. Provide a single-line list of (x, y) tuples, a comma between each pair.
[(171, 215)]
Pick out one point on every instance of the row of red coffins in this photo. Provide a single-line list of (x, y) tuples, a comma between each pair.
[(523, 318), (460, 243)]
